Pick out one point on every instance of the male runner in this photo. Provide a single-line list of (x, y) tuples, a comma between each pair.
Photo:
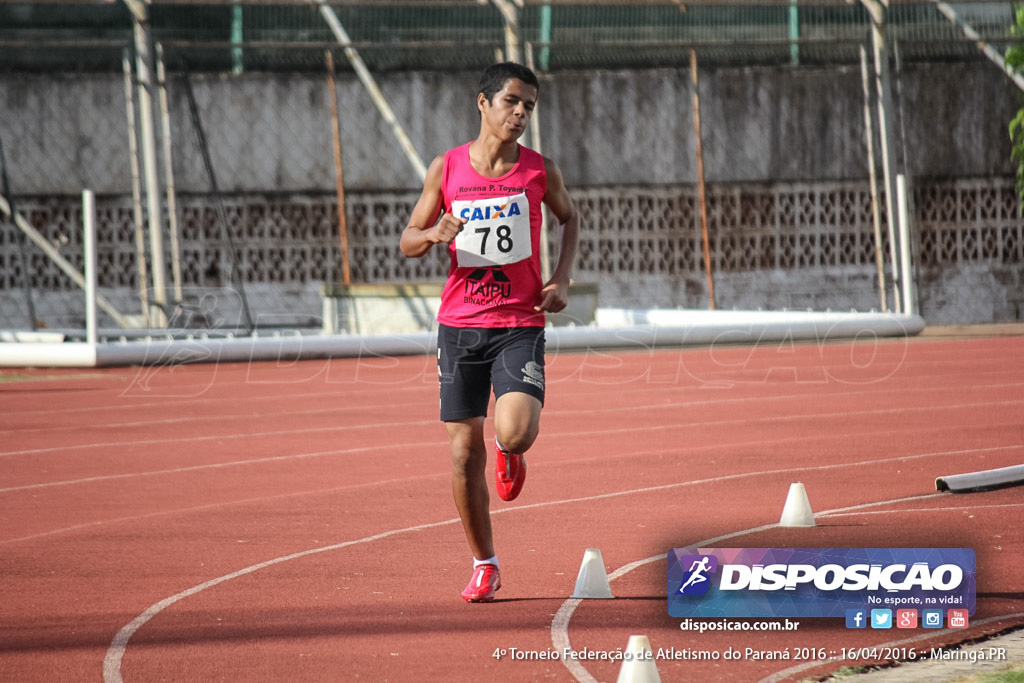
[(482, 201)]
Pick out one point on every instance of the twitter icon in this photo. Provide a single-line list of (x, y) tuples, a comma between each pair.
[(881, 618)]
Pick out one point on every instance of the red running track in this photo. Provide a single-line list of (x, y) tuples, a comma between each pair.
[(266, 522)]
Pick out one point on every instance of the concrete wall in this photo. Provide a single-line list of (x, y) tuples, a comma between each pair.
[(273, 132), (764, 128)]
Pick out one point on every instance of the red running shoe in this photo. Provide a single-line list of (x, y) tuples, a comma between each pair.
[(482, 587), (509, 472)]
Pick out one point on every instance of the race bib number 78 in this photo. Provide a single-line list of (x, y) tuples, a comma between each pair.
[(497, 231)]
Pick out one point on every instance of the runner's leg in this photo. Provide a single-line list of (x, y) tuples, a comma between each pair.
[(517, 421), (469, 483)]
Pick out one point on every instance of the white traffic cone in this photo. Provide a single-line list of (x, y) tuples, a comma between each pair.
[(798, 508), (592, 581), (640, 666)]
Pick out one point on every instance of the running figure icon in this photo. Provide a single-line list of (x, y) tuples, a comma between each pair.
[(697, 573)]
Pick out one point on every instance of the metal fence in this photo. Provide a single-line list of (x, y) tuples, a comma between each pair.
[(251, 77), (225, 35)]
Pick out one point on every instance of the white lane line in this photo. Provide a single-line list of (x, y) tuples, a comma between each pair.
[(120, 409), (434, 444), (117, 648), (624, 430), (214, 437), (192, 420), (115, 653), (785, 673), (221, 465), (965, 508), (225, 504), (180, 399), (554, 412), (560, 624), (75, 527), (428, 380)]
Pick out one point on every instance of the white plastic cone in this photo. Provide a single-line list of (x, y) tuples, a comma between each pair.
[(798, 508), (592, 581), (640, 666)]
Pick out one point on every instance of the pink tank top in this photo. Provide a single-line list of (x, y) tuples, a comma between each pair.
[(494, 279)]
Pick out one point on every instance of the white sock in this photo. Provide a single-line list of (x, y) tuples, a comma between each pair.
[(489, 560)]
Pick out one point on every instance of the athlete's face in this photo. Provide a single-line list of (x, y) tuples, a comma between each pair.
[(509, 111)]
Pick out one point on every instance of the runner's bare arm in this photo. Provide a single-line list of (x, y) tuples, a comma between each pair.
[(424, 229), (555, 295)]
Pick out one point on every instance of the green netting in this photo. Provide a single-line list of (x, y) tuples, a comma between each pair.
[(458, 34)]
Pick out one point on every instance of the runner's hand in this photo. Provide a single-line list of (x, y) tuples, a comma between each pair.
[(446, 229), (553, 298)]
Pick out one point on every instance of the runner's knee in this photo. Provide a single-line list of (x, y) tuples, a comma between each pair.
[(468, 453), (517, 441)]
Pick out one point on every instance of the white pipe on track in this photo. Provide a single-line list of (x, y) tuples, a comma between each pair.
[(616, 328)]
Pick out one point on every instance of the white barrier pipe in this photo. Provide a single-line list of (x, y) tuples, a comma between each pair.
[(622, 329), (906, 274), (89, 248), (48, 355)]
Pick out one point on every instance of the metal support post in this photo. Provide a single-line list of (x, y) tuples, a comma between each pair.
[(883, 86), (371, 86), (144, 69), (510, 13)]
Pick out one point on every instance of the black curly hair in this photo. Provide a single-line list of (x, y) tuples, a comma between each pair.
[(494, 77)]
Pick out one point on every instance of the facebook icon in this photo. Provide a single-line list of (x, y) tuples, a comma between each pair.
[(856, 618)]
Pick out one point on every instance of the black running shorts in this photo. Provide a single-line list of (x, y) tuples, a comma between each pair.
[(471, 360)]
